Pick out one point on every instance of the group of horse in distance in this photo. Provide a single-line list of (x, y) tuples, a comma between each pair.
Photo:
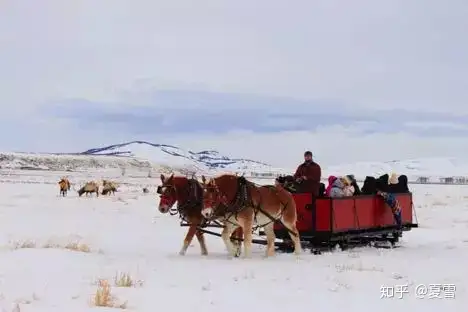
[(239, 204), (90, 187)]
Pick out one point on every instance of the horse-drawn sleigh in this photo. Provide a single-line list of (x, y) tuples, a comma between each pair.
[(291, 221)]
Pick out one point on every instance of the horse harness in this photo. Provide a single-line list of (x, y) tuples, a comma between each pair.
[(243, 199), (193, 199)]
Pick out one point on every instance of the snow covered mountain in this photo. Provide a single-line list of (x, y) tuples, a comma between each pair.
[(148, 157), (175, 156), (140, 156)]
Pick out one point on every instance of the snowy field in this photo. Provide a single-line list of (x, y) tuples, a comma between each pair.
[(55, 250)]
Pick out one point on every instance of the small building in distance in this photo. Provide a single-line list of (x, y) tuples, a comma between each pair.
[(447, 180), (423, 180), (461, 180)]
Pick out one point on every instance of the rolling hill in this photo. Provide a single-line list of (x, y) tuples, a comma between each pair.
[(175, 156), (142, 155)]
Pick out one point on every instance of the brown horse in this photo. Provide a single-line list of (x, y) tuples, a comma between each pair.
[(188, 194), (240, 203)]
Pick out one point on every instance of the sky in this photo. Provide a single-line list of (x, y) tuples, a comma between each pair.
[(350, 80)]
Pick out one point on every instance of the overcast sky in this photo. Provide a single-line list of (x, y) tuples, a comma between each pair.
[(396, 54)]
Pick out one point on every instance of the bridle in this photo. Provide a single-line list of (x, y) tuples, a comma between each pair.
[(217, 198), (167, 199), (191, 201)]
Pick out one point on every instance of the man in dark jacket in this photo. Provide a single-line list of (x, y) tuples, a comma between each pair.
[(308, 174)]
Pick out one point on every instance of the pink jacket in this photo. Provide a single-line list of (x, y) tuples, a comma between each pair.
[(331, 179)]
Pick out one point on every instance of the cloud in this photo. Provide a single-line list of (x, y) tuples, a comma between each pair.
[(184, 111), (347, 79), (335, 137), (362, 52), (330, 145), (438, 125)]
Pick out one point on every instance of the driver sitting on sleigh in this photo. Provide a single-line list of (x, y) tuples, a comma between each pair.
[(308, 175)]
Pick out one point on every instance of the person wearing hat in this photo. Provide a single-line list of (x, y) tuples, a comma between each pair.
[(308, 175)]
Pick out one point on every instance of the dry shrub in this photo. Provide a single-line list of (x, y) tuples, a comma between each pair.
[(104, 298), (78, 247), (51, 245), (125, 280), (24, 244)]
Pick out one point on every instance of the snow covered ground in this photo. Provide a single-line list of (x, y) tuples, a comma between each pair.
[(40, 270)]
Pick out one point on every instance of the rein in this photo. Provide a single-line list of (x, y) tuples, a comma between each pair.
[(193, 198), (239, 202)]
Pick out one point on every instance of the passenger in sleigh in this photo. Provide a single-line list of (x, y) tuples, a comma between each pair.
[(357, 190), (385, 183), (398, 184), (331, 180), (348, 186), (321, 190), (371, 185), (382, 183), (403, 184), (341, 187), (393, 183)]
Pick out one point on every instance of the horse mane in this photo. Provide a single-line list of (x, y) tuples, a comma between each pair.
[(185, 182), (178, 180)]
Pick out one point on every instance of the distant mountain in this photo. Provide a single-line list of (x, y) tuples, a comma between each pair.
[(138, 155), (175, 156), (146, 156)]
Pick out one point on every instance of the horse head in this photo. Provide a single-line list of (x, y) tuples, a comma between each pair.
[(217, 192), (167, 192), (174, 189)]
